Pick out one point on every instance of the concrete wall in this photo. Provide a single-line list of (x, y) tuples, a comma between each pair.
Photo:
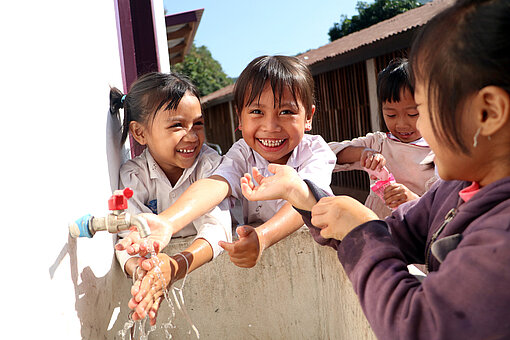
[(297, 291)]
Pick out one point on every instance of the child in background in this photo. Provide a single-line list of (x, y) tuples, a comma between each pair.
[(163, 112), (402, 150), (274, 100), (461, 226)]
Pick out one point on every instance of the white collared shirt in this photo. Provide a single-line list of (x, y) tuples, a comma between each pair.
[(153, 193), (312, 159)]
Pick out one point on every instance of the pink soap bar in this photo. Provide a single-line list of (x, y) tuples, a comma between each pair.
[(379, 186)]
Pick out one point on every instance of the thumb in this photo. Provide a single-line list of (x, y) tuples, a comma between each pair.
[(244, 231), (326, 233), (273, 168), (227, 246)]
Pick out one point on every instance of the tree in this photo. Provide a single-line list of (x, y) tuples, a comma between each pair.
[(205, 72), (368, 15)]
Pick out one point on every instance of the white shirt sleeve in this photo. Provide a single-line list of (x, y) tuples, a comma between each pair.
[(371, 140), (215, 226), (234, 165), (319, 163)]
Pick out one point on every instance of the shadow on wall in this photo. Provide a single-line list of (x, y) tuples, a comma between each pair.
[(298, 290)]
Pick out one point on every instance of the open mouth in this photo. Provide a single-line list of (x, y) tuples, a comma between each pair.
[(187, 151), (271, 143), (405, 134)]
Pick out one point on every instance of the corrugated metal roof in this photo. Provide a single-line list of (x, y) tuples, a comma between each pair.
[(382, 30)]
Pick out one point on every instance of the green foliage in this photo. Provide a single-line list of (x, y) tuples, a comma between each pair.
[(205, 72), (368, 15)]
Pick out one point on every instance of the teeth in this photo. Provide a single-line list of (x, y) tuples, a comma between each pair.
[(271, 142), (185, 150)]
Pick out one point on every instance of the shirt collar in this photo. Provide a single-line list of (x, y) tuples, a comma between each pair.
[(419, 142), (155, 171)]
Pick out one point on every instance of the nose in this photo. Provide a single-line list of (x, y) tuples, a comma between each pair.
[(402, 121), (271, 123), (192, 135)]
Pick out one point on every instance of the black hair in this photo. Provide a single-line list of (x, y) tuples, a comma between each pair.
[(391, 81), (460, 51), (148, 94), (282, 72)]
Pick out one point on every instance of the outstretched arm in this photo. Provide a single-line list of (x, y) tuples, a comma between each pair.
[(285, 184), (246, 251), (198, 199)]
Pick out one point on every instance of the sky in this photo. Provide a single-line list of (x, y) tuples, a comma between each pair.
[(237, 31)]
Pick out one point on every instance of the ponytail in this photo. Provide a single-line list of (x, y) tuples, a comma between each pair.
[(118, 101)]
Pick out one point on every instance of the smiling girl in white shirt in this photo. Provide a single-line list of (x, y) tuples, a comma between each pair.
[(163, 112)]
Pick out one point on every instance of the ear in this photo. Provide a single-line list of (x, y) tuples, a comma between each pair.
[(309, 118), (240, 124), (138, 132), (493, 110)]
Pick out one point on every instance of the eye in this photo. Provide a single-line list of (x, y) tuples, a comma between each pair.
[(176, 125), (198, 124), (256, 112), (416, 114), (287, 112), (390, 115)]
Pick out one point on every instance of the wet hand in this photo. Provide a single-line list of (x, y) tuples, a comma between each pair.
[(395, 194), (337, 216), (372, 159), (246, 251), (158, 274), (285, 184), (161, 233), (271, 187)]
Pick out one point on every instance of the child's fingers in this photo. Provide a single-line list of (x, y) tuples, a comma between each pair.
[(228, 247), (153, 313), (257, 175), (246, 190), (327, 232)]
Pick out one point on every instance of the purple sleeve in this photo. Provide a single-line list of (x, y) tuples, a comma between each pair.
[(467, 298), (318, 193), (409, 226)]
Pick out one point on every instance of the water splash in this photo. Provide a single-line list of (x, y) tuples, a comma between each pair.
[(132, 327)]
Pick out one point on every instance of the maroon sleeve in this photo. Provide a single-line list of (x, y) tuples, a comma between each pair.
[(467, 298), (318, 193)]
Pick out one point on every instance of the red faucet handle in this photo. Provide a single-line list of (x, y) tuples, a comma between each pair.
[(118, 201), (128, 192)]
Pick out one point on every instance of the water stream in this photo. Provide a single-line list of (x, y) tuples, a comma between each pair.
[(137, 329)]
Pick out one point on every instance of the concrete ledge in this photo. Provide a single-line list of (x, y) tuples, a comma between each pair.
[(298, 290)]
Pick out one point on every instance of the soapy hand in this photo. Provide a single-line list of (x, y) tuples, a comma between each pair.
[(246, 251), (285, 184), (161, 233), (395, 194), (337, 216), (373, 160), (158, 273)]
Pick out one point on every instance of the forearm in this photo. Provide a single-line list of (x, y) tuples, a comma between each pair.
[(197, 200), (282, 224), (197, 254), (349, 154)]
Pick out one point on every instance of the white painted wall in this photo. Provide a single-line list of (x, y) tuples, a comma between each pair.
[(57, 58)]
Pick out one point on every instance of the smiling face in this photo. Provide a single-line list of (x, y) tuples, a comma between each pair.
[(400, 117), (174, 137), (274, 129)]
